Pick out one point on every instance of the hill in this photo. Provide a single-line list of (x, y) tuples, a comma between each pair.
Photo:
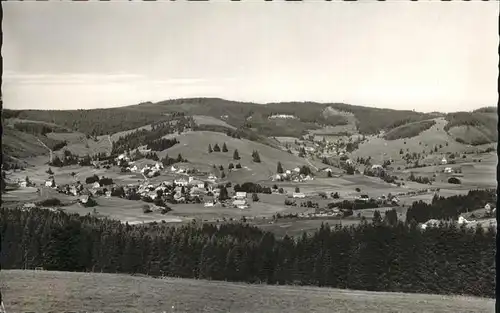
[(475, 128), (238, 114), (433, 143), (409, 130), (43, 291), (193, 145)]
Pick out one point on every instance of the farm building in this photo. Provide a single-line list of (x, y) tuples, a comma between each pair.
[(209, 203), (430, 223), (490, 208), (240, 204), (212, 178), (240, 195), (444, 161), (50, 182), (364, 198), (181, 182), (298, 195)]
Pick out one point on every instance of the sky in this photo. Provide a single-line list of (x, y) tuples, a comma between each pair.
[(423, 56)]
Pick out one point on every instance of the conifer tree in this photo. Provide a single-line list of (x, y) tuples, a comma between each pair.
[(236, 155), (279, 169)]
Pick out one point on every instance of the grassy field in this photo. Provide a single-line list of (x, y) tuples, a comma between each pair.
[(194, 147), (209, 120), (378, 147), (44, 291)]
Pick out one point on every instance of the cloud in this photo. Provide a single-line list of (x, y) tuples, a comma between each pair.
[(15, 78)]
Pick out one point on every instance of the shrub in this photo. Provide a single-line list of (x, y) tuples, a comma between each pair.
[(92, 179), (454, 180), (50, 202), (146, 209)]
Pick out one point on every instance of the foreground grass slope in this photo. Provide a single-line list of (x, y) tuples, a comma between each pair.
[(44, 291)]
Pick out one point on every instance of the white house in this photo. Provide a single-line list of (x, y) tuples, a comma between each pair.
[(240, 204), (363, 198), (50, 183), (23, 184), (208, 204), (158, 166), (444, 161), (173, 169), (297, 169), (489, 208), (96, 185), (298, 195), (430, 223), (84, 199), (133, 168), (240, 195), (212, 178), (288, 172), (448, 170), (181, 182)]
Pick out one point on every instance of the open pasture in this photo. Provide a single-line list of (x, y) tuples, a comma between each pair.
[(123, 210), (44, 291)]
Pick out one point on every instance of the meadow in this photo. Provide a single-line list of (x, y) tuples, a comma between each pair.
[(44, 291)]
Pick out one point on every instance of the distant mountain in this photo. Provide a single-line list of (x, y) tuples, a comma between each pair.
[(253, 121)]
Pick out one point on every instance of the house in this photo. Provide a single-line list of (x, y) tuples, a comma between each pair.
[(444, 161), (364, 198), (158, 166), (23, 184), (462, 220), (448, 170), (296, 170), (84, 199), (288, 172), (430, 223), (28, 206), (489, 208), (298, 195), (133, 168), (50, 183), (181, 182), (209, 203), (212, 178), (108, 194), (240, 195), (173, 169), (96, 185), (376, 166), (328, 170), (240, 204)]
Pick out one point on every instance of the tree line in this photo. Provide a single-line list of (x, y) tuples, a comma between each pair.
[(151, 138), (370, 256), (450, 208)]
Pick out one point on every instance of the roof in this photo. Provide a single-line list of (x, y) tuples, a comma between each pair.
[(239, 202)]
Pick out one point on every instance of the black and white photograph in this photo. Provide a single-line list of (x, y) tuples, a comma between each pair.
[(249, 156)]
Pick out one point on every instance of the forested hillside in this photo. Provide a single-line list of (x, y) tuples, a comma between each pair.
[(383, 256), (475, 128), (238, 114)]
